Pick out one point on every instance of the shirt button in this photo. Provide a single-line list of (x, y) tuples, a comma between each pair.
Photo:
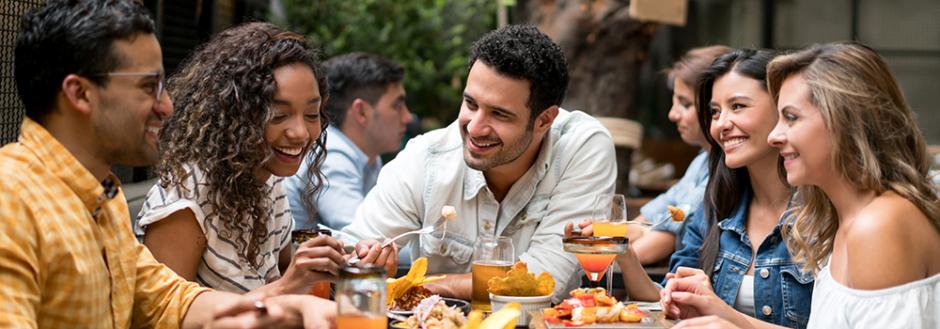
[(764, 273), (766, 310), (487, 226)]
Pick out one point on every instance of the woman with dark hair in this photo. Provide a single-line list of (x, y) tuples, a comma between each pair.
[(868, 223), (734, 238), (248, 110), (662, 239)]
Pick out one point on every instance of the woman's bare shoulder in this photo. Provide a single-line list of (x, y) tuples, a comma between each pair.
[(886, 242)]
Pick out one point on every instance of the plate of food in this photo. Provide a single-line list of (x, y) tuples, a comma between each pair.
[(522, 287), (594, 308), (433, 313), (406, 292)]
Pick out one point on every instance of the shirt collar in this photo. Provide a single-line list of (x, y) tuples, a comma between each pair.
[(738, 220), (474, 181), (66, 167), (338, 139)]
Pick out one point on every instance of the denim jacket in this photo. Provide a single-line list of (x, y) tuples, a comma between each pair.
[(782, 293)]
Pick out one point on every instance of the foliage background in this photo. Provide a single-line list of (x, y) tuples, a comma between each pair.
[(431, 39)]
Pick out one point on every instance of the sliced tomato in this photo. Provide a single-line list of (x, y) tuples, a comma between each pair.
[(586, 301), (570, 323)]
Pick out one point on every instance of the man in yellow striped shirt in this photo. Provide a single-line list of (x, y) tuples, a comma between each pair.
[(90, 75)]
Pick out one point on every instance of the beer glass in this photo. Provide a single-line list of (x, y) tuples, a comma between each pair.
[(492, 256)]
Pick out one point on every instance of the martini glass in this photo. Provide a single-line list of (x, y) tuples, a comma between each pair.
[(595, 253)]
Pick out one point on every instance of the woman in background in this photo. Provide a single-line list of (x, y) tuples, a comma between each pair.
[(661, 240), (869, 220)]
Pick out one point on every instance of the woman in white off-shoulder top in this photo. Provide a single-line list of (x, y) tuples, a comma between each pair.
[(869, 220)]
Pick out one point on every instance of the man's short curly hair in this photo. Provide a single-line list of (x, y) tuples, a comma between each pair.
[(523, 52)]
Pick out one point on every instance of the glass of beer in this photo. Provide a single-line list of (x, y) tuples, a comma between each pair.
[(320, 289), (492, 256), (360, 297), (610, 219)]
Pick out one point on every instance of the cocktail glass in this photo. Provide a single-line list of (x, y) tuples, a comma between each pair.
[(595, 253), (610, 219)]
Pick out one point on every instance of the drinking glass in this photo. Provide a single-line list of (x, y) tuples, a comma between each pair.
[(322, 288), (492, 256), (610, 219), (360, 298)]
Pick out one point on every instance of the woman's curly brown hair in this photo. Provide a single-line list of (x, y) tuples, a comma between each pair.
[(222, 95)]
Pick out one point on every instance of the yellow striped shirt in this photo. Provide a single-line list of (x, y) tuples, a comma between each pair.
[(68, 257)]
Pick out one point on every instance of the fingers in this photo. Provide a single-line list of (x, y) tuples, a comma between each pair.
[(568, 229), (703, 322), (247, 313), (364, 246), (322, 258), (683, 271), (324, 240)]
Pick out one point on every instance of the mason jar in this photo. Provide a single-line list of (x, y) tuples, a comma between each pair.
[(360, 297)]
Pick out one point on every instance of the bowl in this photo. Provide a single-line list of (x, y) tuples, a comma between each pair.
[(526, 304)]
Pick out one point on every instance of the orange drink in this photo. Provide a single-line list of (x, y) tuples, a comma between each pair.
[(595, 265), (360, 322), (482, 271), (606, 228), (595, 253), (321, 289)]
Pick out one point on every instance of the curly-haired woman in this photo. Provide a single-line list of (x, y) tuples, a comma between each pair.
[(247, 111)]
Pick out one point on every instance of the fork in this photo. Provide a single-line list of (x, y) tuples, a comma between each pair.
[(423, 230)]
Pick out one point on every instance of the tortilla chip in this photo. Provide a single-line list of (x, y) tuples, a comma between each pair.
[(520, 283)]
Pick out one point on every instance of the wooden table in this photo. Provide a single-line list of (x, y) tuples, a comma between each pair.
[(659, 321)]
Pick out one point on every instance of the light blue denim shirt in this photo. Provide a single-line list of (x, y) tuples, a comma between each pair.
[(782, 293), (688, 191), (348, 178), (575, 162)]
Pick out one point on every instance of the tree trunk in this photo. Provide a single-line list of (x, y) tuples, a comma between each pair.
[(604, 48)]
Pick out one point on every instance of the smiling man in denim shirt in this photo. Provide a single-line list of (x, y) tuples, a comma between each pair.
[(513, 164)]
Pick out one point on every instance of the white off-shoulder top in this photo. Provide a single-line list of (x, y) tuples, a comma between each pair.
[(914, 305)]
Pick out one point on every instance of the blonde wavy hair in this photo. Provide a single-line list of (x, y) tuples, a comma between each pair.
[(876, 144)]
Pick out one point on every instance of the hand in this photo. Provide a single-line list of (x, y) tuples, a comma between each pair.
[(314, 260), (371, 252), (317, 312), (585, 226), (689, 294), (243, 312), (705, 322)]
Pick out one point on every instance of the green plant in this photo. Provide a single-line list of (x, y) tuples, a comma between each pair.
[(430, 38)]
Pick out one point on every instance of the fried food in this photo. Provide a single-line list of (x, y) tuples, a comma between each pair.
[(449, 212), (397, 288), (589, 306), (520, 283), (676, 213)]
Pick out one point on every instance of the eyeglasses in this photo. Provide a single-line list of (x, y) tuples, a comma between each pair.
[(161, 80)]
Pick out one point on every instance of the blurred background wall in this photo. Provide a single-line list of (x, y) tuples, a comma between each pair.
[(432, 37)]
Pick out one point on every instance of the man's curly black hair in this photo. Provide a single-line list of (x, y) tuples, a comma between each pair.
[(523, 52)]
